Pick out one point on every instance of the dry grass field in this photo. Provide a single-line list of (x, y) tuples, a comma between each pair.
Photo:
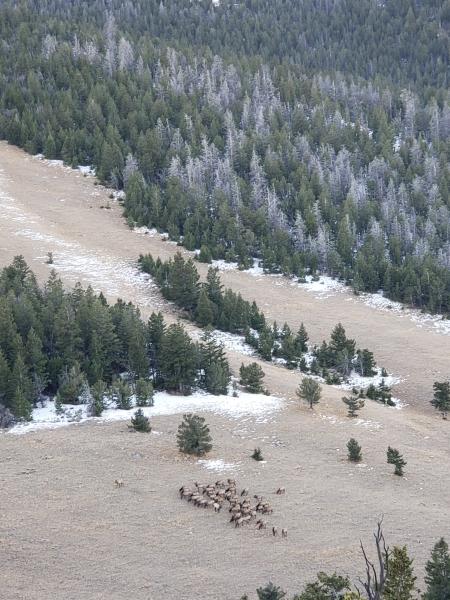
[(67, 532)]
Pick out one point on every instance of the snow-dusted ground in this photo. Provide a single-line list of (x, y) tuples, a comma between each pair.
[(217, 465), (257, 406), (357, 380)]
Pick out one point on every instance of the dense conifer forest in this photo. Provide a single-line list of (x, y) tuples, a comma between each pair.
[(258, 129), (73, 345)]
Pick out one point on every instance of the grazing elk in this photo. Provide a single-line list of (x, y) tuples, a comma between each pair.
[(281, 490), (118, 483)]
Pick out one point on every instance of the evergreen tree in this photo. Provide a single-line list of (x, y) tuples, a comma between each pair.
[(5, 384), (204, 314), (21, 388), (251, 377), (327, 587), (395, 458), (301, 340), (441, 399), (354, 450), (140, 422), (144, 392), (97, 405), (122, 393), (400, 579), (365, 363), (193, 435), (270, 592), (178, 360), (70, 385), (205, 254), (21, 405), (354, 404), (309, 391), (437, 576), (214, 365)]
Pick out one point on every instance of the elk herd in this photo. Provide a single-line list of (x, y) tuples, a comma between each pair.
[(242, 509)]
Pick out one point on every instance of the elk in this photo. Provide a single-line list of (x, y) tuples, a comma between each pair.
[(260, 524), (244, 492), (284, 533), (281, 490), (118, 483), (274, 531)]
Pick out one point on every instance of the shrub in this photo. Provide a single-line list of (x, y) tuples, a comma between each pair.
[(257, 455), (140, 422)]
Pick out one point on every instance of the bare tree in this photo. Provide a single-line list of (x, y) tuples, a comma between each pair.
[(376, 575)]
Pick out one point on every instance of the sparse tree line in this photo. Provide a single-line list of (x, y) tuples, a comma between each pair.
[(72, 345), (306, 171), (210, 305), (389, 577)]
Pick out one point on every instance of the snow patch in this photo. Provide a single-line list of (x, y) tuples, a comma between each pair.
[(357, 380), (322, 287), (223, 265), (218, 465), (257, 406)]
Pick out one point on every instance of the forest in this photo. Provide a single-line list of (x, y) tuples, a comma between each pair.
[(209, 304), (73, 346), (266, 130)]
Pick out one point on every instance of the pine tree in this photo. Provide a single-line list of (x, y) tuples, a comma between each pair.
[(21, 405), (354, 450), (395, 458), (122, 392), (251, 377), (309, 391), (86, 397), (400, 579), (270, 592), (327, 587), (21, 389), (204, 314), (178, 360), (301, 340), (97, 405), (193, 435), (354, 404), (437, 575), (144, 392), (365, 363), (5, 384), (213, 365), (70, 385), (214, 287), (441, 399), (140, 422), (205, 255)]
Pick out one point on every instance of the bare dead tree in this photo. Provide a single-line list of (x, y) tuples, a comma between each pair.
[(376, 575)]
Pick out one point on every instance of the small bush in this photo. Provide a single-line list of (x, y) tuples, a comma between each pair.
[(257, 455), (140, 422)]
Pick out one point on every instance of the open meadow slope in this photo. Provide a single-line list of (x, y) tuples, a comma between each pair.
[(66, 531)]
